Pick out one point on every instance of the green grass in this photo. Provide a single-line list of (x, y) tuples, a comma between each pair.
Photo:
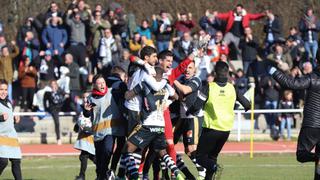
[(236, 167)]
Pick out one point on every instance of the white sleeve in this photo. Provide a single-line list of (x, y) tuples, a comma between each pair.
[(170, 89), (151, 81)]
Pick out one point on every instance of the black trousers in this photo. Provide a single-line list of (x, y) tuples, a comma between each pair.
[(308, 139), (15, 167), (55, 116), (84, 156), (207, 154), (120, 141), (27, 98)]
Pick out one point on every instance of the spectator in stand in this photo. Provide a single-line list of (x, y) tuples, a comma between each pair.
[(30, 46), (307, 68), (182, 49), (53, 101), (99, 7), (273, 30), (241, 83), (119, 25), (210, 23), (217, 47), (6, 65), (77, 37), (146, 42), (98, 25), (30, 25), (298, 95), (54, 36), (74, 85), (309, 27), (107, 47), (53, 11), (84, 11), (281, 58), (270, 91), (294, 43), (184, 23), (162, 28), (286, 119), (124, 61), (237, 20), (28, 78), (249, 47), (3, 41), (135, 44), (144, 29), (47, 67)]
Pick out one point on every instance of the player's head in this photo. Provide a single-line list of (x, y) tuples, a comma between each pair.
[(190, 71), (149, 54), (222, 71), (159, 73), (118, 71), (165, 60)]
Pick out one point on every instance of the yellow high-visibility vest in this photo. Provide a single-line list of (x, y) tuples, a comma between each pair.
[(219, 108)]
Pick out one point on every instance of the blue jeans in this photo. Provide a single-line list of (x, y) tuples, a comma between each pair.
[(10, 92), (286, 122), (162, 45), (271, 117), (311, 50), (104, 149)]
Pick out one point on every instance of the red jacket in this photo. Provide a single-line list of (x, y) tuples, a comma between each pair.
[(176, 72), (229, 17), (184, 26)]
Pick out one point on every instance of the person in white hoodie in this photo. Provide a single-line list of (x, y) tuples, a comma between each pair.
[(107, 47)]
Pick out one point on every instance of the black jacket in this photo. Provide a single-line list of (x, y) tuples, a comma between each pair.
[(311, 82), (249, 49), (275, 28), (74, 76)]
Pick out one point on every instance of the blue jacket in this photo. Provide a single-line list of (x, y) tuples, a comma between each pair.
[(55, 35), (144, 32)]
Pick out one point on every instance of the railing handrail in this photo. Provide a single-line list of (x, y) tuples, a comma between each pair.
[(72, 113)]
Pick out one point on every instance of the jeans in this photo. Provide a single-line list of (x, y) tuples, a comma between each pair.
[(162, 45), (104, 149), (10, 91), (271, 117), (311, 50), (286, 122)]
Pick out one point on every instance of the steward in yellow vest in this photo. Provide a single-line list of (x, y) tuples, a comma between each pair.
[(220, 98)]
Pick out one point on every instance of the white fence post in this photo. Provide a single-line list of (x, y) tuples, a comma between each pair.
[(239, 125)]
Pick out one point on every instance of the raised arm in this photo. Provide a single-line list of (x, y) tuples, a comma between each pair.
[(289, 82)]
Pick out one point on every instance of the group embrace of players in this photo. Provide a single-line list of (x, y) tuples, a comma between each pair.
[(146, 117)]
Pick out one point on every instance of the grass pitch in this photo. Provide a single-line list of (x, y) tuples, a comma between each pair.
[(236, 167)]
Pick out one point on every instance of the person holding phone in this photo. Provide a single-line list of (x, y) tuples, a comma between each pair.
[(9, 144)]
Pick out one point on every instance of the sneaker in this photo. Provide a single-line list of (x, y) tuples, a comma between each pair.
[(110, 175), (59, 142), (218, 173), (179, 177)]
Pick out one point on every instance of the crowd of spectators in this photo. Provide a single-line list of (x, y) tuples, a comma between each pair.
[(71, 46)]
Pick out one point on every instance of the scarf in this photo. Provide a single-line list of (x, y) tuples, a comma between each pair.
[(95, 92)]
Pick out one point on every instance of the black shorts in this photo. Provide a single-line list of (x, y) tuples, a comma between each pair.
[(146, 137), (133, 118), (190, 129)]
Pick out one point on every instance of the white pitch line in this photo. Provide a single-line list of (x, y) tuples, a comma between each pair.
[(227, 165)]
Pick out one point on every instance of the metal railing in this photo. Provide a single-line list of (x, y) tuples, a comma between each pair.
[(238, 114)]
